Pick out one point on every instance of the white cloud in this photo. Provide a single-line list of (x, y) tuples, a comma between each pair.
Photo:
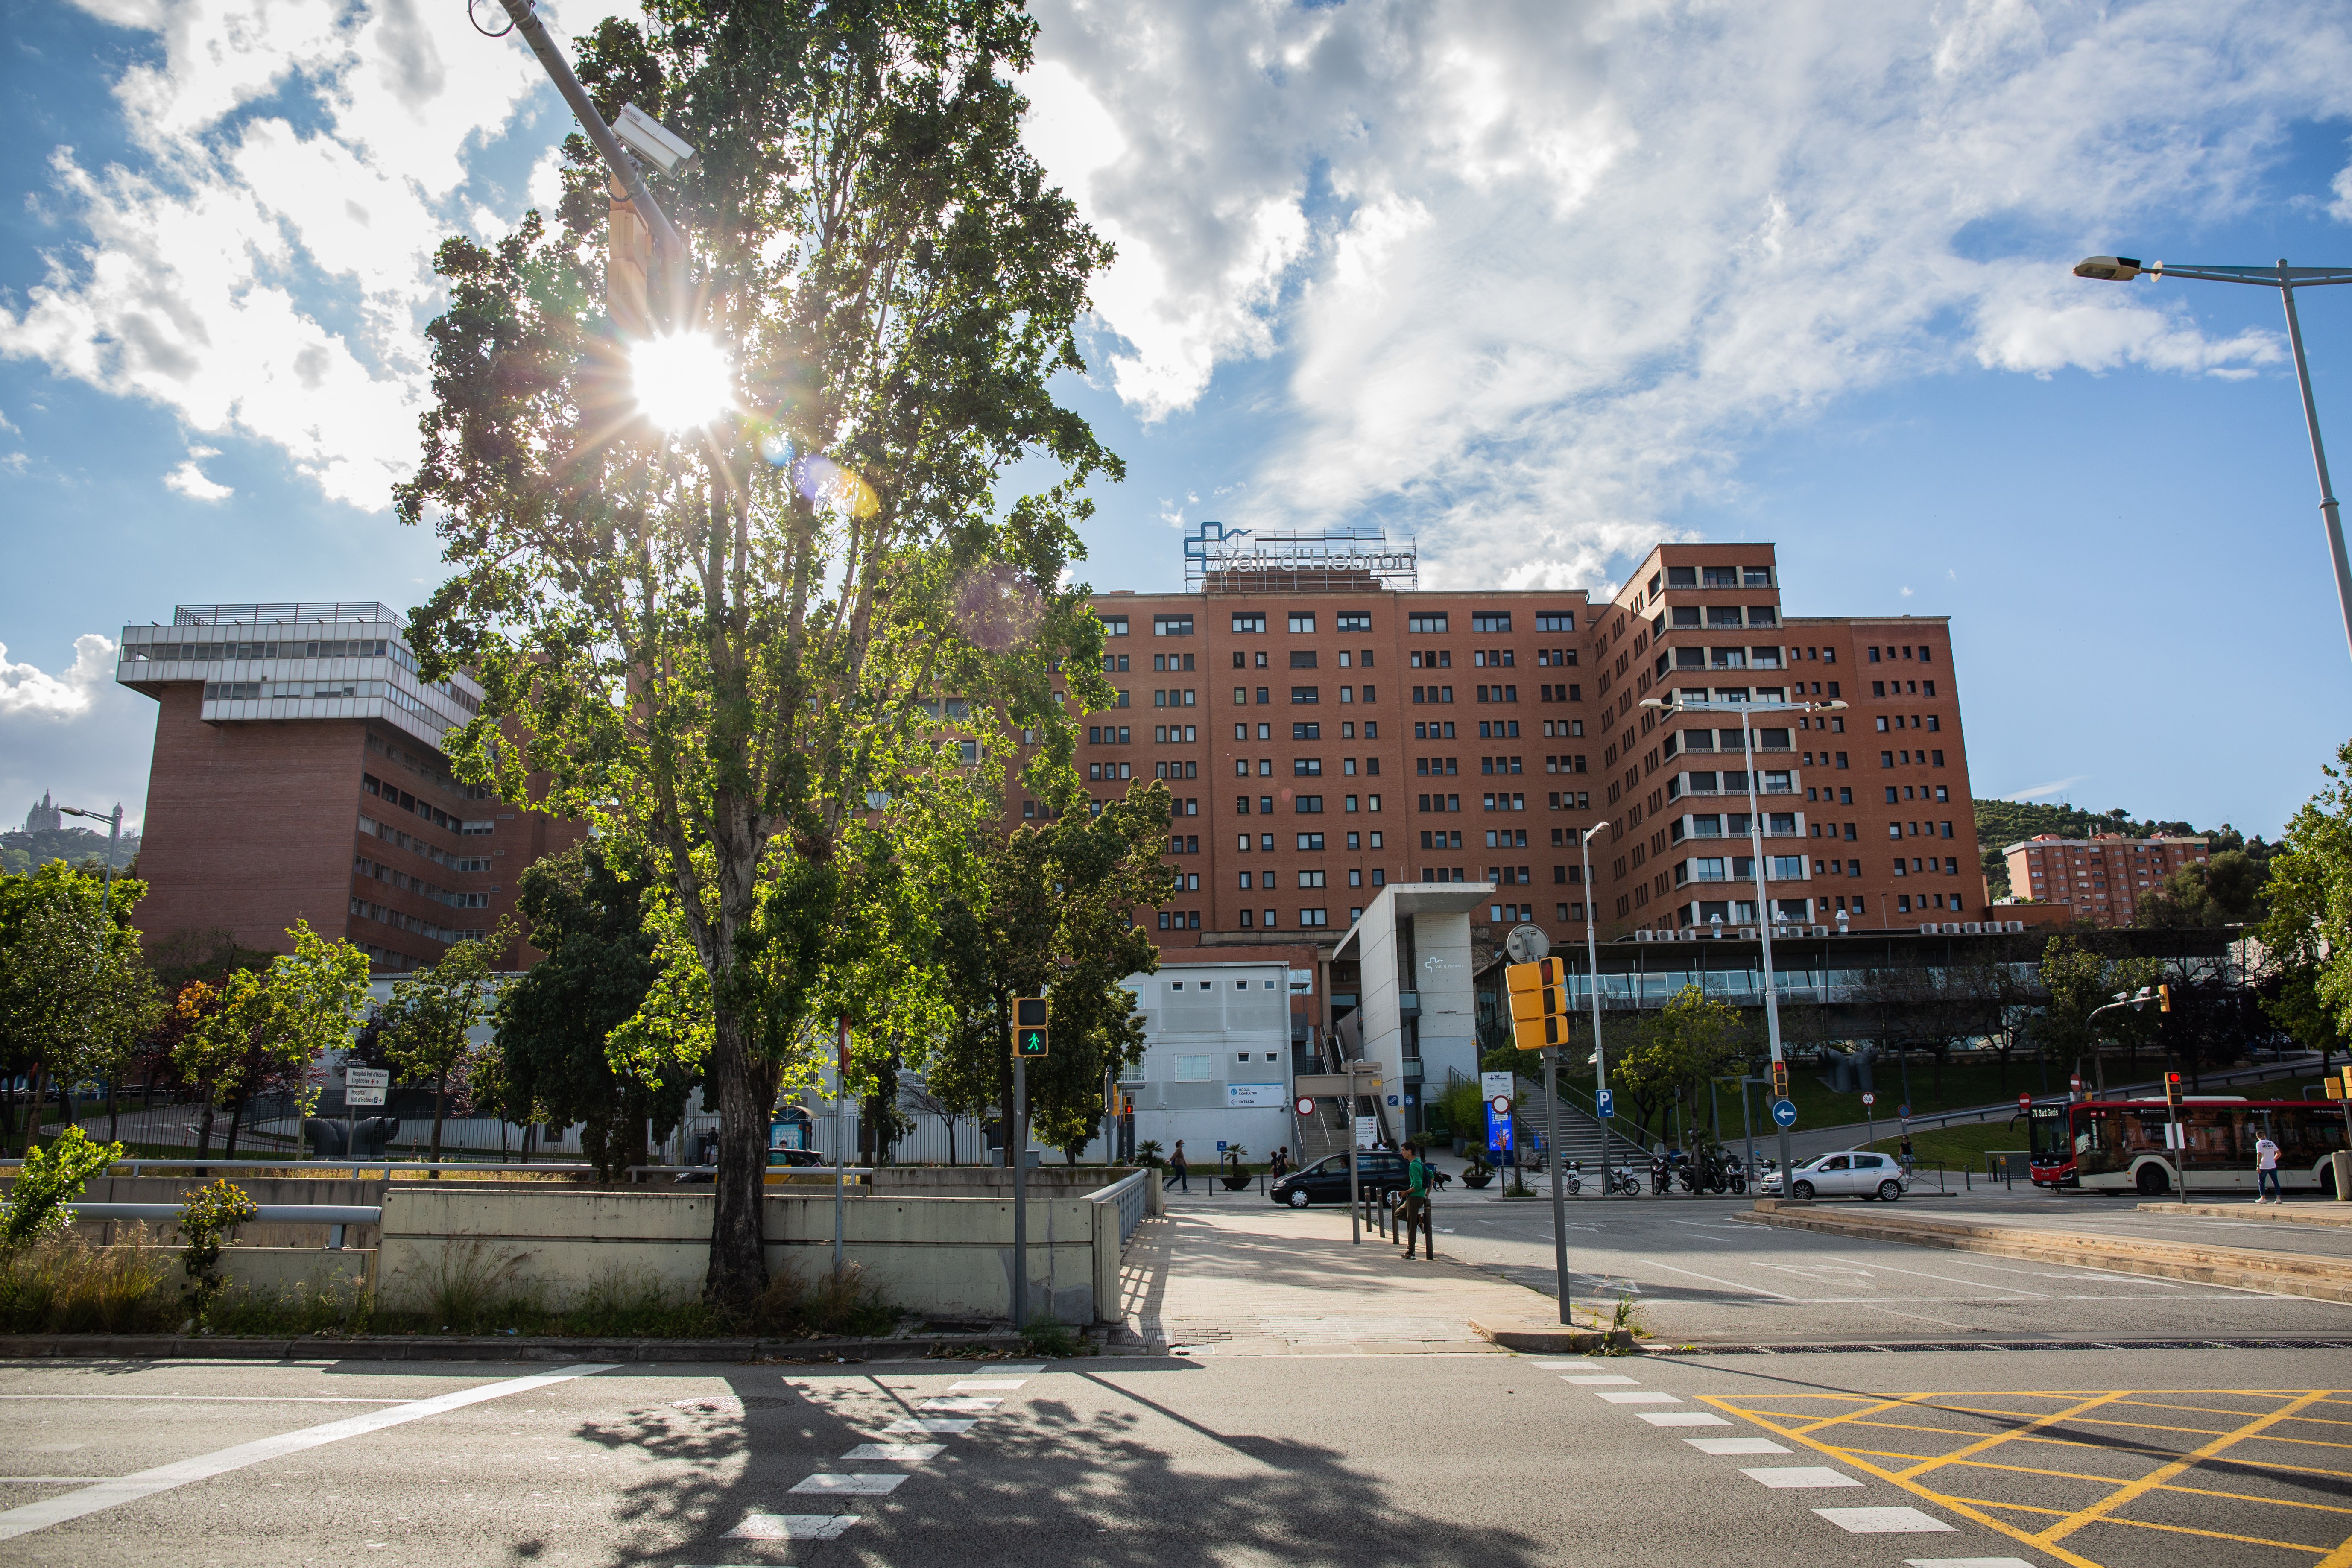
[(29, 690), (193, 287), (2055, 787), (191, 481), (1539, 271)]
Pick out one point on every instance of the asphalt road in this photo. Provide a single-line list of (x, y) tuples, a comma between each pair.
[(1701, 1273), (1945, 1458)]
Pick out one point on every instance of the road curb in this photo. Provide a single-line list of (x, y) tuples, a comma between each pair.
[(496, 1347), (2274, 1273), (2280, 1214), (1551, 1338)]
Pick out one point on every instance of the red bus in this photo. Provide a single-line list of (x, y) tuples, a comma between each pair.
[(2118, 1146)]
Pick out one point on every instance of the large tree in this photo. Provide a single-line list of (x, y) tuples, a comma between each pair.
[(2307, 933), (276, 1021), (554, 1019), (719, 639), (76, 996), (424, 1030), (1049, 912)]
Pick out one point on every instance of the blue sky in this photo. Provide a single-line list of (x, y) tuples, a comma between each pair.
[(1539, 282)]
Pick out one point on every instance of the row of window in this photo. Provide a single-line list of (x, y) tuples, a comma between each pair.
[(346, 647), (392, 794), (1910, 721), (377, 870), (1682, 617), (1305, 805), (1310, 842), (1770, 781), (1911, 759), (1734, 824), (363, 909), (1740, 867), (1726, 740), (1713, 577), (1903, 689), (1925, 654), (1717, 658), (1949, 866)]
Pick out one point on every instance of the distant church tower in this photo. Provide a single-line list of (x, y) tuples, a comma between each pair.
[(44, 817)]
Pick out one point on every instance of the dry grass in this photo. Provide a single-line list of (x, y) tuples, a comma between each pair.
[(69, 1287)]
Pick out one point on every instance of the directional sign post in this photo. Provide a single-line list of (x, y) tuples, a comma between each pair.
[(1784, 1111), (1869, 1122), (361, 1086)]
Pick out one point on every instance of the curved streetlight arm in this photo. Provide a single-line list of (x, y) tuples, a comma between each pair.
[(2287, 280), (667, 242)]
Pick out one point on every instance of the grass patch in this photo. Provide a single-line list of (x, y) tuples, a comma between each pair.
[(1957, 1148), (68, 1287), (1048, 1336)]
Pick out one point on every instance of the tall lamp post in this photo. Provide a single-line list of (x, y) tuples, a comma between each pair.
[(113, 820), (2287, 280), (1680, 703), (1592, 973)]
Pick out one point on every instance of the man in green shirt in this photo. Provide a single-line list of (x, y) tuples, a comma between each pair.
[(1415, 1213)]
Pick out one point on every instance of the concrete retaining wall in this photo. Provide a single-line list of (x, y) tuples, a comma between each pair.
[(948, 1258)]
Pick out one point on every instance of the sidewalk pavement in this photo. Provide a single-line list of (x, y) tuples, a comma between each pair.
[(1235, 1276)]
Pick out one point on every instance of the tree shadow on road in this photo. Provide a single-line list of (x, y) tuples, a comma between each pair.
[(1120, 1481)]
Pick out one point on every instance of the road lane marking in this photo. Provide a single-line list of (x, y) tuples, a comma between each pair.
[(959, 1404), (1752, 1290), (979, 1384), (826, 1485), (2147, 1483), (220, 1398), (792, 1527), (1735, 1446), (1680, 1418), (1966, 1562), (919, 1424), (1798, 1478), (1923, 1274), (1644, 1396), (1882, 1520), (896, 1453), (1613, 1377), (32, 1516)]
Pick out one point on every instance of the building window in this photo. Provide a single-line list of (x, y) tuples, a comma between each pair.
[(1314, 916), (1310, 694), (1171, 626), (1309, 841), (1302, 623), (1493, 621), (1302, 659), (1555, 620), (1354, 621), (1249, 622), (1426, 625)]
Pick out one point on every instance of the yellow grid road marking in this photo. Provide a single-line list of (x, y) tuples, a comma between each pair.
[(1814, 1430), (2147, 1483)]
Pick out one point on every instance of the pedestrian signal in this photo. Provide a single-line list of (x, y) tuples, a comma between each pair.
[(1539, 1003), (1029, 1026)]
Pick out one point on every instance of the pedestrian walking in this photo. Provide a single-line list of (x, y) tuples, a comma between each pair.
[(1905, 1155), (1415, 1212), (2266, 1176), (1177, 1170)]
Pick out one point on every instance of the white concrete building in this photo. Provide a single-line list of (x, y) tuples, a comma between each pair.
[(1418, 1016), (1216, 1060)]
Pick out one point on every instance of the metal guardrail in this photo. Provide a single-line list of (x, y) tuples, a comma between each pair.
[(1134, 1201), (263, 1214)]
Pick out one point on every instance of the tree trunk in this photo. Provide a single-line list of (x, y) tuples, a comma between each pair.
[(38, 1085), (738, 1272), (235, 1123), (440, 1101), (205, 1130)]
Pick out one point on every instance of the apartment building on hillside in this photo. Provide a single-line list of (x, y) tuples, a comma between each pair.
[(298, 774), (1328, 728), (2101, 880)]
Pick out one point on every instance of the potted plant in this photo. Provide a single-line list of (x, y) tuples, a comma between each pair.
[(1148, 1153), (1480, 1173), (1238, 1177)]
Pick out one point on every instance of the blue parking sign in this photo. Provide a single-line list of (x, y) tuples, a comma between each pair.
[(1606, 1102)]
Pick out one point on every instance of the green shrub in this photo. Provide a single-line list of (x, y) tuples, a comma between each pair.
[(52, 1177), (206, 1219), (1048, 1336)]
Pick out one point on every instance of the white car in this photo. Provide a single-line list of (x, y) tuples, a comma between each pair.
[(1850, 1173)]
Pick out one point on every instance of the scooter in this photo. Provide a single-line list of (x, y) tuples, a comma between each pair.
[(1624, 1182)]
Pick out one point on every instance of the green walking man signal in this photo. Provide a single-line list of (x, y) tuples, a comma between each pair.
[(1029, 1036)]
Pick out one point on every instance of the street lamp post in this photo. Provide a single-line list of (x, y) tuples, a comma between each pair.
[(1682, 704), (2287, 280), (1592, 974), (113, 820)]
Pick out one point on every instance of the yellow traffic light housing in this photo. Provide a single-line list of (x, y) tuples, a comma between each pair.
[(1029, 1032), (2172, 1088), (1539, 1003), (2164, 998), (1780, 1081)]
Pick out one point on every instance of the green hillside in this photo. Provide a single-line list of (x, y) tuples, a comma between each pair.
[(2004, 822)]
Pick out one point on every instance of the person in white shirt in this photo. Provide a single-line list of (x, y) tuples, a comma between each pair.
[(2266, 1175)]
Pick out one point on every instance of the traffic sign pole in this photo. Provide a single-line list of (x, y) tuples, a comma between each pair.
[(1558, 1198)]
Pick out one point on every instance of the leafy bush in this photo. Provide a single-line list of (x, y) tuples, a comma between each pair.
[(52, 1177), (844, 1306), (206, 1218)]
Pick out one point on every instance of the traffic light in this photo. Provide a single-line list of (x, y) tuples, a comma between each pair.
[(1780, 1081), (2172, 1088), (1539, 1003), (2164, 998), (1029, 1026)]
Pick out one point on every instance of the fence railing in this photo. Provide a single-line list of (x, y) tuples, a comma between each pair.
[(1133, 1197)]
